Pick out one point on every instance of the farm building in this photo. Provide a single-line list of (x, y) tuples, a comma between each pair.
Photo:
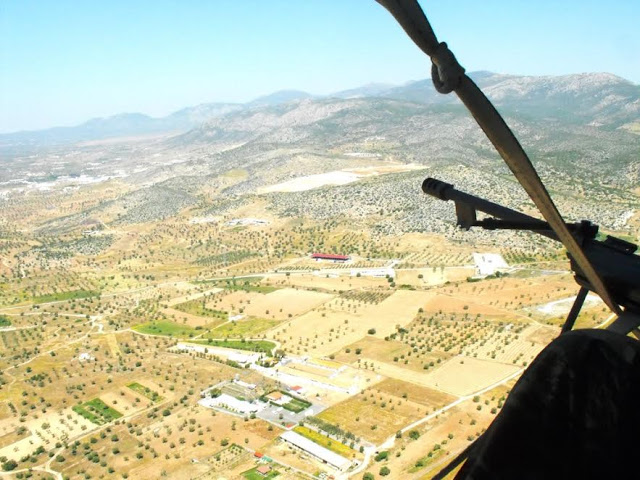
[(317, 451), (244, 359), (489, 263), (274, 396), (250, 386), (330, 257), (278, 398), (231, 403), (264, 470), (382, 272)]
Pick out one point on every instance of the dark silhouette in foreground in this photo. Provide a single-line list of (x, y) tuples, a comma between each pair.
[(573, 414)]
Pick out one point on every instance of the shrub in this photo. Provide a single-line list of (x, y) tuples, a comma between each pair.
[(381, 456)]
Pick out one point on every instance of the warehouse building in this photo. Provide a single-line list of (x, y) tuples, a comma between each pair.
[(330, 257), (317, 451)]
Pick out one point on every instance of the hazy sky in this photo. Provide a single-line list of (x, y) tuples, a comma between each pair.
[(63, 62)]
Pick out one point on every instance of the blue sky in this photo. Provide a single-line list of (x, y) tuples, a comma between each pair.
[(63, 62)]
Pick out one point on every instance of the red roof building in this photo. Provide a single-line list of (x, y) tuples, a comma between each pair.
[(263, 470), (330, 256), (274, 396)]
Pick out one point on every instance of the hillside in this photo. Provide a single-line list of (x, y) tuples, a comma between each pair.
[(598, 99), (585, 160)]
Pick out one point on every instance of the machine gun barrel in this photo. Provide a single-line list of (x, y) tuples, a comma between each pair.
[(467, 205)]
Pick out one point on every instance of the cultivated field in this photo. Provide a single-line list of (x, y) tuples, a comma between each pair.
[(463, 375), (375, 413), (280, 304), (336, 325)]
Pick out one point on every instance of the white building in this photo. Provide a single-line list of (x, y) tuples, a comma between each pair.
[(319, 452), (231, 403), (489, 263), (244, 359), (382, 272), (250, 386)]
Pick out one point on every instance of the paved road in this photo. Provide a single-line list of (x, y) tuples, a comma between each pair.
[(272, 414)]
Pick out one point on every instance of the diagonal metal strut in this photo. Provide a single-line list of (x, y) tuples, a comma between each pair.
[(448, 75)]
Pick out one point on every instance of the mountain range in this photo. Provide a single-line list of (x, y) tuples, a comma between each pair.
[(597, 99)]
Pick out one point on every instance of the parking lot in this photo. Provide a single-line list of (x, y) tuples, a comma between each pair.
[(277, 414)]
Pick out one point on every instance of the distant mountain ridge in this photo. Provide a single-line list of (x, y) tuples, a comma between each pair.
[(601, 98), (597, 99), (279, 97)]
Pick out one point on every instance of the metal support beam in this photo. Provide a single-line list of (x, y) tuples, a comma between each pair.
[(627, 322), (575, 310)]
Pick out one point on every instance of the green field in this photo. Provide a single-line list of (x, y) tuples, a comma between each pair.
[(247, 284), (61, 296), (251, 288), (96, 411), (227, 258), (296, 405), (328, 443), (4, 321), (426, 460), (165, 328), (147, 392), (197, 307), (252, 345), (243, 328)]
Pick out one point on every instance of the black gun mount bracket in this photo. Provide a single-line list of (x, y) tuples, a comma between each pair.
[(613, 258)]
